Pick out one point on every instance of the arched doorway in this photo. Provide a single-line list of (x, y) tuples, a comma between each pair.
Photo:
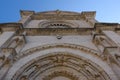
[(59, 62), (60, 65)]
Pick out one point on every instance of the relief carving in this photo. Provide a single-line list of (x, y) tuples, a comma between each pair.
[(61, 64), (64, 45), (69, 75)]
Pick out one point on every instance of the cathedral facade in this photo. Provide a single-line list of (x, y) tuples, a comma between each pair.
[(59, 45)]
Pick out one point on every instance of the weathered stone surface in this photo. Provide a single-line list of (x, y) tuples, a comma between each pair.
[(59, 45)]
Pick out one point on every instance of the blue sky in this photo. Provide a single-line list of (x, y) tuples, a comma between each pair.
[(107, 10)]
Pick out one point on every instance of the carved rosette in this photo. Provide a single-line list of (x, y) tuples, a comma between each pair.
[(58, 64)]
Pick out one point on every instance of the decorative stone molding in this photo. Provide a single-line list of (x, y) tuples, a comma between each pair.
[(61, 64), (11, 26), (57, 24), (16, 43), (105, 26), (24, 77), (54, 31), (63, 45), (9, 51), (61, 73)]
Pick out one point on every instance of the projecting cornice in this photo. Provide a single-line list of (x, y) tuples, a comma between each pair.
[(10, 26), (106, 26), (57, 15)]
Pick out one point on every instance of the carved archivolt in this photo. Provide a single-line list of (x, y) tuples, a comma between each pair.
[(62, 45), (53, 65), (61, 73)]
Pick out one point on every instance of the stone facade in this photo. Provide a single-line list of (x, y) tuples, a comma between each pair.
[(59, 45)]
